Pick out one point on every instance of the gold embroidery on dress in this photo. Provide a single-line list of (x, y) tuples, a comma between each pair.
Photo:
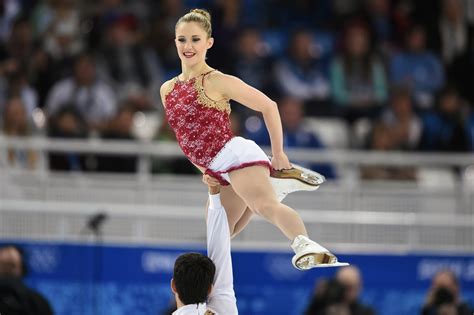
[(208, 312), (221, 105)]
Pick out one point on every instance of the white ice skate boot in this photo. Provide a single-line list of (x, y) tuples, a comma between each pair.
[(309, 254), (295, 179)]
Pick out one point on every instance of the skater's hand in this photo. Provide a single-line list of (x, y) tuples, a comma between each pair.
[(280, 162), (212, 183)]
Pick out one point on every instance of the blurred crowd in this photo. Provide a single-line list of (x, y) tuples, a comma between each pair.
[(397, 73), (341, 295)]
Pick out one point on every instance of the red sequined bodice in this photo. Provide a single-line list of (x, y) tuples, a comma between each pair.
[(201, 125)]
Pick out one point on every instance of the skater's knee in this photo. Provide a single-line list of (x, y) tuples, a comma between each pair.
[(265, 207)]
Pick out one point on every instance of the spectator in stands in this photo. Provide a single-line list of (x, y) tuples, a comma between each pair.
[(119, 128), (15, 123), (358, 78), (57, 23), (125, 60), (228, 16), (418, 68), (179, 165), (24, 55), (379, 17), (470, 132), (339, 296), (302, 74), (445, 128), (252, 63), (350, 279), (14, 83), (453, 37), (161, 35), (10, 9), (295, 135), (19, 46), (328, 299), (444, 296), (401, 118), (15, 297), (381, 138), (67, 123), (91, 97)]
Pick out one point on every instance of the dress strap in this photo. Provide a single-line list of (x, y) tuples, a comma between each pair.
[(204, 74)]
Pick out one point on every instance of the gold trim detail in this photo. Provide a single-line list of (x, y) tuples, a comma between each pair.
[(221, 105)]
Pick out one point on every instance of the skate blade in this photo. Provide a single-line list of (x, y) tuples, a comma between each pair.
[(294, 173), (322, 260)]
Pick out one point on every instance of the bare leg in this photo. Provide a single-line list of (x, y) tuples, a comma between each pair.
[(242, 223), (233, 205), (253, 185)]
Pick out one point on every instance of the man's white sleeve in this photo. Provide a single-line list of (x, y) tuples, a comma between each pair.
[(222, 298)]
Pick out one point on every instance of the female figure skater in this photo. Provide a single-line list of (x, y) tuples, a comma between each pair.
[(197, 108)]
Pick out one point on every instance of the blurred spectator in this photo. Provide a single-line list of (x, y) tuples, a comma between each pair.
[(105, 11), (125, 60), (22, 55), (15, 297), (445, 128), (9, 9), (328, 299), (402, 120), (226, 26), (302, 74), (19, 46), (295, 135), (444, 296), (251, 62), (418, 68), (67, 123), (236, 124), (470, 131), (382, 139), (379, 17), (358, 77), (180, 165), (453, 37), (162, 33), (15, 123), (92, 98), (301, 13), (57, 24), (120, 128), (350, 279), (15, 84)]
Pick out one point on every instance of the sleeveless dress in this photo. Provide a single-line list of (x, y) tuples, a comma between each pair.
[(202, 129)]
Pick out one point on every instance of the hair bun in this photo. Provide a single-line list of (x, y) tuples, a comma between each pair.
[(203, 12)]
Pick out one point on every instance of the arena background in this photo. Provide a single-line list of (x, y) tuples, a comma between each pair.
[(374, 94)]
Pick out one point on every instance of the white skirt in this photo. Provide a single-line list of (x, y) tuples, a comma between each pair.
[(236, 154)]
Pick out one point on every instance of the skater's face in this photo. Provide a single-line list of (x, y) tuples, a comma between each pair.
[(192, 43)]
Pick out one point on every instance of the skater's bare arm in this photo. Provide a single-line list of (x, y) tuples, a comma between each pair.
[(233, 88)]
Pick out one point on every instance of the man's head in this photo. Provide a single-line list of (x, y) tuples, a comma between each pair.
[(192, 278), (11, 262), (446, 279), (349, 277), (292, 113)]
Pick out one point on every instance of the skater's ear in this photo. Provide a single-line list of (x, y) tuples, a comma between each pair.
[(173, 286)]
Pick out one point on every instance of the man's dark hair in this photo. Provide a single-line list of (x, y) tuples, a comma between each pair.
[(193, 276)]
